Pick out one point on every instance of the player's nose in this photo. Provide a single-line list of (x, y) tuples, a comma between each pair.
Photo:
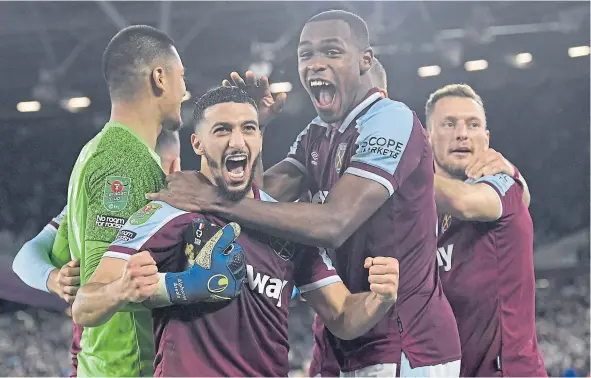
[(237, 140), (461, 130), (316, 65)]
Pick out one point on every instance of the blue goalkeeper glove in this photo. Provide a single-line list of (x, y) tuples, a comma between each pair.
[(217, 265)]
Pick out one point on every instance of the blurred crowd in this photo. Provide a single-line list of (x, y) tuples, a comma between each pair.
[(36, 342)]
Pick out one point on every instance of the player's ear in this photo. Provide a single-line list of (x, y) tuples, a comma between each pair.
[(197, 145), (487, 132), (366, 60), (158, 80)]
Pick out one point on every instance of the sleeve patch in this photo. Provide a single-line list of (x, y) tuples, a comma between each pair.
[(117, 192), (500, 181), (383, 137), (142, 215), (146, 222)]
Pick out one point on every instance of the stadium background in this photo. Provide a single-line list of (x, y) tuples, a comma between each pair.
[(537, 105)]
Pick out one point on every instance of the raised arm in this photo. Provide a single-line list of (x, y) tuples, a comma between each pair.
[(482, 200), (491, 162), (470, 202), (349, 316)]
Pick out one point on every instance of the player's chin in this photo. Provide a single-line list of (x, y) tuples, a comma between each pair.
[(173, 123)]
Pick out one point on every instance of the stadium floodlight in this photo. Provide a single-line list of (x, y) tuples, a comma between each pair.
[(476, 65), (187, 96), (74, 104), (28, 106), (78, 102), (427, 71), (283, 87), (523, 59), (578, 51)]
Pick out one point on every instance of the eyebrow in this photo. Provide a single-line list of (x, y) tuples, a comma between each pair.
[(324, 41), (228, 124), (469, 118)]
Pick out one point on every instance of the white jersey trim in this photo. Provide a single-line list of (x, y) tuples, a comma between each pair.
[(319, 284), (116, 255), (298, 165), (371, 176)]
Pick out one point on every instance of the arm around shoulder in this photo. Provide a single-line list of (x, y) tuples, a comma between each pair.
[(476, 201)]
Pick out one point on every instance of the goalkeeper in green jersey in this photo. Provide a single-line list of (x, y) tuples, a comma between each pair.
[(111, 176), (44, 262)]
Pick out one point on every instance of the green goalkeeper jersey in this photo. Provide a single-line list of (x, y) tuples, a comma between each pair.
[(108, 184)]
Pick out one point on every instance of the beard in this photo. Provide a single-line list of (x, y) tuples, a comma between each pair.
[(452, 170), (223, 189)]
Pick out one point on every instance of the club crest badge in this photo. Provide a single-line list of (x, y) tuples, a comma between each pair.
[(445, 223), (340, 157)]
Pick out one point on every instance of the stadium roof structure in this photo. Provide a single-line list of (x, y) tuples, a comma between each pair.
[(52, 50)]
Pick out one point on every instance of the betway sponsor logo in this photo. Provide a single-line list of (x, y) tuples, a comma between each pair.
[(265, 285), (444, 257)]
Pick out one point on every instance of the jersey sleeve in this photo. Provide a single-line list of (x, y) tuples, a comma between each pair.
[(60, 250), (32, 263), (116, 187), (297, 152), (390, 145), (157, 227), (315, 270), (510, 192)]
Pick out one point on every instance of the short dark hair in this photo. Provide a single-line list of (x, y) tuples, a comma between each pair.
[(357, 24), (165, 139), (128, 57), (450, 90), (378, 74), (220, 95)]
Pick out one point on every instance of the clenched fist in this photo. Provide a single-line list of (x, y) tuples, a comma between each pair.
[(383, 277), (65, 281), (140, 278)]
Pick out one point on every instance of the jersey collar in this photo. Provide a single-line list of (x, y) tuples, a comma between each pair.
[(371, 96)]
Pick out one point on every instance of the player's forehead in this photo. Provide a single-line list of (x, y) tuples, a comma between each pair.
[(458, 108), (230, 113), (324, 32)]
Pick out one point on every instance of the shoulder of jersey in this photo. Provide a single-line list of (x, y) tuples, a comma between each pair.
[(152, 215), (386, 105)]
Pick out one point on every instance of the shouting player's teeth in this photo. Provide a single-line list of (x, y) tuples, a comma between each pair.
[(235, 166), (323, 91)]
